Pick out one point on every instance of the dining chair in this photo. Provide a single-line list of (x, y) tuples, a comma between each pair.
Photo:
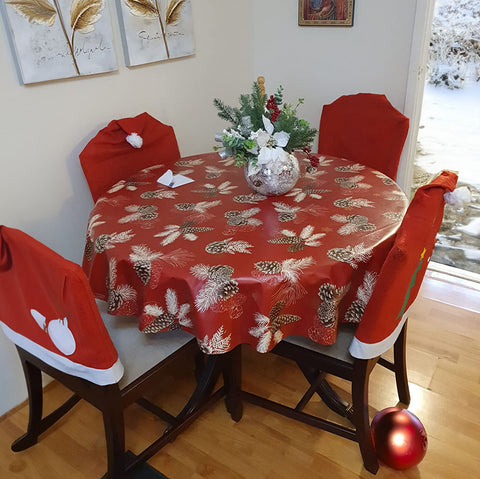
[(364, 128), (359, 347), (124, 147), (49, 312)]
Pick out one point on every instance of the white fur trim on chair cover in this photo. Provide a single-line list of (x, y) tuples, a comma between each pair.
[(102, 377), (361, 350)]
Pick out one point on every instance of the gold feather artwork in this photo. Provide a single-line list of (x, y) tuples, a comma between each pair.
[(174, 11), (165, 21), (35, 11), (84, 14), (142, 8)]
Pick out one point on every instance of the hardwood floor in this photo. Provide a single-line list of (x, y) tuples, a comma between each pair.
[(444, 374)]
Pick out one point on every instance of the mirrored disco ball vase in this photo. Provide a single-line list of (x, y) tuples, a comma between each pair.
[(399, 438)]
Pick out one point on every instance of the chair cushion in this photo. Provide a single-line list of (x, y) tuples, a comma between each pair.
[(139, 352), (337, 350)]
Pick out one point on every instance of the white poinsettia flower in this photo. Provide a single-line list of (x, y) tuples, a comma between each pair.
[(267, 124), (267, 155), (281, 138), (262, 138)]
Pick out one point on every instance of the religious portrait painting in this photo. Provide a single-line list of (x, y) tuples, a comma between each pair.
[(325, 12)]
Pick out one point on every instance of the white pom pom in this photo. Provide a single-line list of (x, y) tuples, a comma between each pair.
[(458, 197), (135, 140)]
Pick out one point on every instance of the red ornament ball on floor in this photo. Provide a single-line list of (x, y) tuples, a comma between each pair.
[(399, 438)]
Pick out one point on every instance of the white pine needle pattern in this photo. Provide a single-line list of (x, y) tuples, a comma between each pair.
[(217, 344), (262, 331), (92, 223)]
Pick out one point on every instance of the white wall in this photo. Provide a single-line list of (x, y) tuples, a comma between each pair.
[(323, 63), (44, 127)]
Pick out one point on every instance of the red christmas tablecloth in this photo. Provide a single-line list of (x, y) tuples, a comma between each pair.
[(232, 266)]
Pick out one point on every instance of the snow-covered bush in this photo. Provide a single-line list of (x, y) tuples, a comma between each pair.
[(455, 43)]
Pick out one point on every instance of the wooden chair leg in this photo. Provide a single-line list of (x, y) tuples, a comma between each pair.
[(361, 420), (33, 378), (115, 438), (400, 368)]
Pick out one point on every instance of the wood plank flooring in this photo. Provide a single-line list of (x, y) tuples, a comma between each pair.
[(444, 374)]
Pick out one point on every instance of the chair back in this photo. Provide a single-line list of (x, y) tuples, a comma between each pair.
[(364, 128), (402, 273), (48, 309), (109, 157)]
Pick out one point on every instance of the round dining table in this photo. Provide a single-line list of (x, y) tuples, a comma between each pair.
[(231, 266)]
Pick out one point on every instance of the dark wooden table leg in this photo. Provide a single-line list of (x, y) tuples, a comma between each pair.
[(232, 377)]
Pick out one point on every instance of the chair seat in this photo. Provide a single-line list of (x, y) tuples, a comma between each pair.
[(337, 350), (139, 352)]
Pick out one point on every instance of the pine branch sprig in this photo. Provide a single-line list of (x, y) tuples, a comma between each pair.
[(228, 113)]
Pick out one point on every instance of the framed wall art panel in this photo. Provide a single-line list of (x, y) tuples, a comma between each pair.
[(155, 30), (53, 39), (325, 12)]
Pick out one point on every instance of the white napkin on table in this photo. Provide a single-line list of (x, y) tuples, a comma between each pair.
[(172, 181)]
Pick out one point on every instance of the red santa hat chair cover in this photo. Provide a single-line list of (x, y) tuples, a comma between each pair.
[(124, 147), (49, 312), (364, 128), (357, 349), (402, 273)]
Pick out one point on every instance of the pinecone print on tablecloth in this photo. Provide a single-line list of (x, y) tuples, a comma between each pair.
[(235, 219), (161, 322), (220, 273), (184, 206), (217, 247), (322, 334), (284, 217), (352, 256), (364, 293), (296, 243), (326, 313), (330, 295), (101, 243), (285, 212), (326, 292), (350, 168), (143, 269), (189, 228), (147, 212), (352, 182), (253, 198), (228, 289), (269, 267), (340, 254), (353, 203), (393, 215), (228, 246), (89, 250), (278, 320), (355, 311), (115, 300)]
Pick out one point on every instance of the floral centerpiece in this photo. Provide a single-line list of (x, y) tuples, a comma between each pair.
[(263, 134)]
